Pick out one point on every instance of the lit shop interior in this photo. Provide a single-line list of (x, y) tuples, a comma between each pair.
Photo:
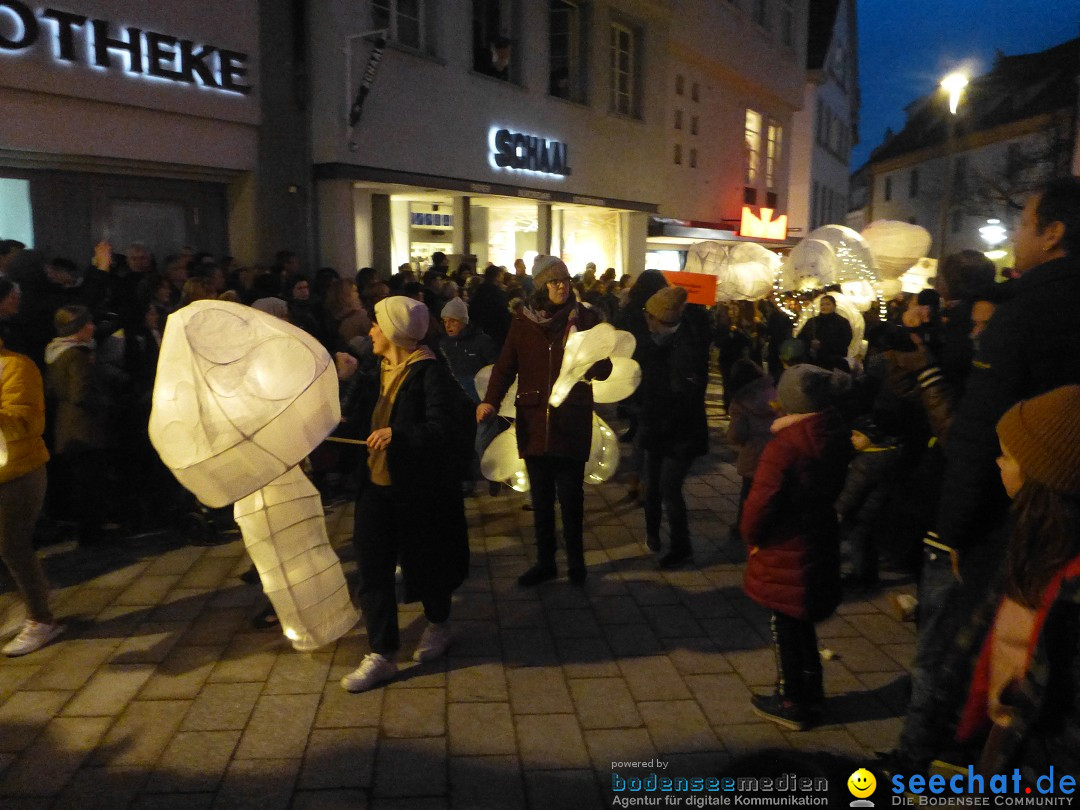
[(502, 229)]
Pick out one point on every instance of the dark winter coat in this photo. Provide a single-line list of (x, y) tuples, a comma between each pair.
[(489, 308), (426, 488), (788, 519), (1030, 346), (834, 332), (752, 414), (467, 353), (533, 352), (79, 396), (673, 381)]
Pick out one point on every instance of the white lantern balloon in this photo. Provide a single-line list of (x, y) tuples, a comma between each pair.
[(705, 257), (625, 343), (861, 293), (240, 398), (507, 407), (810, 265), (603, 453), (890, 287), (582, 350), (896, 246), (748, 273), (624, 379), (502, 463)]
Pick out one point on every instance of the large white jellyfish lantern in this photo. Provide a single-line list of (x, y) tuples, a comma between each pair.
[(747, 273), (624, 379), (896, 246), (241, 397), (850, 312), (507, 406), (862, 294)]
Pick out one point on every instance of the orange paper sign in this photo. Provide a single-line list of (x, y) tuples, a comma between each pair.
[(700, 287)]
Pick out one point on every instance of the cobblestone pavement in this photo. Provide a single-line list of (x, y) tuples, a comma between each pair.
[(161, 695)]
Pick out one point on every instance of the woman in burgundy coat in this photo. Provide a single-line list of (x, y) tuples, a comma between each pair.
[(554, 442), (790, 527)]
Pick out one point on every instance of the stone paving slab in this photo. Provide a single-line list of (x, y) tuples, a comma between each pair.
[(161, 695)]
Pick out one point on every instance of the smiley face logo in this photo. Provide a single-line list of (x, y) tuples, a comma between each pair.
[(862, 783)]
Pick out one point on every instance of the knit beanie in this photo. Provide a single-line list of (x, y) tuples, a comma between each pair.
[(548, 268), (457, 309), (667, 305), (272, 305), (1043, 435), (403, 320), (69, 320), (805, 389)]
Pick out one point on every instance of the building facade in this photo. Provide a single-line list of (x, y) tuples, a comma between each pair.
[(964, 177), (125, 121), (827, 126), (500, 128)]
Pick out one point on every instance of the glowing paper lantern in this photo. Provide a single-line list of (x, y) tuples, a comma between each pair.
[(502, 463), (850, 312), (506, 407), (747, 273), (890, 287), (603, 453), (240, 398), (810, 265), (3, 450), (896, 246), (582, 350), (862, 294), (625, 343), (705, 257), (624, 379)]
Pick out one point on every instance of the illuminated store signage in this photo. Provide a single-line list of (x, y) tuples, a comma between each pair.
[(513, 150), (763, 227), (106, 46)]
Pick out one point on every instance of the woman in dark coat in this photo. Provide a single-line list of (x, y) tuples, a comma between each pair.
[(790, 528), (554, 442), (673, 427), (409, 505)]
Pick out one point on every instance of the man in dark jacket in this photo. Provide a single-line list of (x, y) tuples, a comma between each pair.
[(1028, 348), (827, 335), (490, 308), (554, 441), (673, 427)]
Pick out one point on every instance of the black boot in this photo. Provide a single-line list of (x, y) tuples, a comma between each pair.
[(541, 572)]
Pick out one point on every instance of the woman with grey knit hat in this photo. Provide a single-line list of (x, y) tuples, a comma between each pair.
[(554, 441)]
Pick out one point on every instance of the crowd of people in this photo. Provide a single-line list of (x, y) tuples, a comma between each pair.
[(903, 453)]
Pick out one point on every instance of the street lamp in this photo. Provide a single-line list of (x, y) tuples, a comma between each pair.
[(954, 85)]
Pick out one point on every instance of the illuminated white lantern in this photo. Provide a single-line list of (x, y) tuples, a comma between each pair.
[(850, 312), (625, 343), (582, 350), (705, 257), (890, 287), (747, 273), (603, 453), (896, 246), (810, 265), (240, 398), (624, 379), (502, 463), (506, 407), (862, 294), (3, 450)]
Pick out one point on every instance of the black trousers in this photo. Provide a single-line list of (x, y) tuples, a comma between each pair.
[(376, 538), (551, 477), (798, 664), (664, 477)]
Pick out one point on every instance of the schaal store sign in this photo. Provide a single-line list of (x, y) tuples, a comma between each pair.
[(513, 150), (146, 54)]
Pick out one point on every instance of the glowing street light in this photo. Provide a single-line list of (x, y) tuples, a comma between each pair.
[(993, 232), (954, 85)]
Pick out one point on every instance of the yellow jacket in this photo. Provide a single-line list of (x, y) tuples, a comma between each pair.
[(22, 415)]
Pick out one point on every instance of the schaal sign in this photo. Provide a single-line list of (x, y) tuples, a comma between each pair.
[(148, 54), (513, 150)]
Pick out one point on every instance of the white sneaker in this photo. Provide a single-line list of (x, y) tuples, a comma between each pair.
[(434, 642), (33, 636), (373, 670)]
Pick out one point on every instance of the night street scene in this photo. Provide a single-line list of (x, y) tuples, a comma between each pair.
[(542, 404)]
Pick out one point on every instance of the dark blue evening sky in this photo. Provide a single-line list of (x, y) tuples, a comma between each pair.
[(906, 46)]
